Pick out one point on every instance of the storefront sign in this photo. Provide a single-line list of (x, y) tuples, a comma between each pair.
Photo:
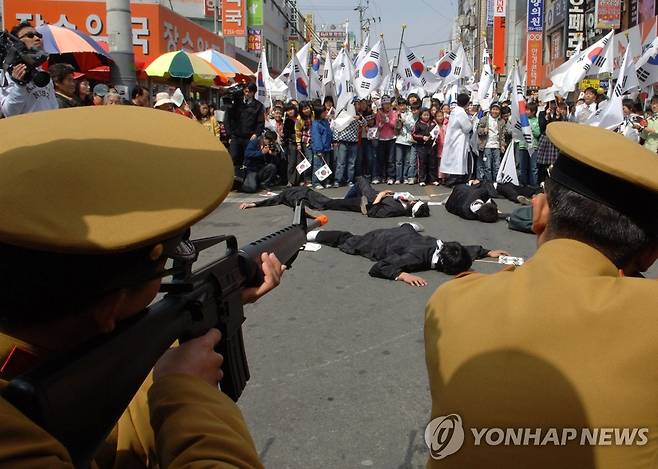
[(608, 14), (254, 40), (234, 17), (500, 8), (156, 29), (575, 25)]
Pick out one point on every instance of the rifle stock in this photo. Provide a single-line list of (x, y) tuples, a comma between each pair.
[(79, 396)]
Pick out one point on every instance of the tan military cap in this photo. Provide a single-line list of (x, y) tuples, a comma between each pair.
[(607, 167), (106, 179)]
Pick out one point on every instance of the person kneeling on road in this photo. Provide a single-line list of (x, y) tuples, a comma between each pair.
[(401, 250), (259, 170)]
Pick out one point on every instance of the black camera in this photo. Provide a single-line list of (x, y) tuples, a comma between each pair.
[(13, 52), (231, 94)]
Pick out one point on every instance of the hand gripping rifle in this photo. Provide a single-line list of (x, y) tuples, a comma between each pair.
[(79, 397)]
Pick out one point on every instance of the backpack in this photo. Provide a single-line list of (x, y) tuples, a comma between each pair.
[(521, 219)]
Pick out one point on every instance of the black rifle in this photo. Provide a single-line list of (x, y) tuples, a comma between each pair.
[(79, 397)]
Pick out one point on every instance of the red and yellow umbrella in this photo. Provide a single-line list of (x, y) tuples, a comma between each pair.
[(186, 66)]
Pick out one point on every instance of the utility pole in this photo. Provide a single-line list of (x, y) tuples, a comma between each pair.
[(361, 9), (120, 41)]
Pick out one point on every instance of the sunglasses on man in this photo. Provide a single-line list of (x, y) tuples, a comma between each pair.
[(31, 35)]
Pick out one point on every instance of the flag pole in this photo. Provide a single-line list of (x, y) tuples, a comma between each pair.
[(397, 63)]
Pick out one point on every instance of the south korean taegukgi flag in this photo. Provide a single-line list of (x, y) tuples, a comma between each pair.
[(422, 81), (453, 66), (507, 171), (344, 75), (262, 80), (315, 79), (365, 48), (610, 114), (647, 65), (373, 69), (521, 125), (328, 79), (302, 58), (596, 59), (486, 85), (297, 81)]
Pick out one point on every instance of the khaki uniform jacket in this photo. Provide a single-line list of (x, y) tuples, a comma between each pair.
[(180, 421), (562, 341)]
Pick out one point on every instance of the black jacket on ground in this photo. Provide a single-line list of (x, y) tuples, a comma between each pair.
[(396, 250), (387, 208), (461, 198), (245, 120)]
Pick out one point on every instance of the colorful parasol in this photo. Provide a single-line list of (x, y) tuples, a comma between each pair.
[(184, 65), (72, 46), (227, 65)]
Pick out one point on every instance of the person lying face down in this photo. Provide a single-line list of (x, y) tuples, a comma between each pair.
[(360, 198), (401, 250)]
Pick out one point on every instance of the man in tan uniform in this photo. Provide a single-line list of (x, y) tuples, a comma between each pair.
[(82, 211), (567, 341)]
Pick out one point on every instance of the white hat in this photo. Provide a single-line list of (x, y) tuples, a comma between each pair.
[(162, 98)]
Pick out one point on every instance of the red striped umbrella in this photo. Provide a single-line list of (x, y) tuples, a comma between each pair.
[(72, 46)]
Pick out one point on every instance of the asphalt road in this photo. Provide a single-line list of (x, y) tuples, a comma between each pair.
[(338, 376)]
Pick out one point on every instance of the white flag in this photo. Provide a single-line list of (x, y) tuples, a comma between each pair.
[(302, 58), (297, 81), (647, 65), (365, 48), (372, 71), (558, 75), (406, 78), (597, 58), (453, 66), (507, 87), (519, 119), (485, 87), (328, 79), (262, 80), (610, 114), (323, 172), (315, 80), (344, 75), (507, 172)]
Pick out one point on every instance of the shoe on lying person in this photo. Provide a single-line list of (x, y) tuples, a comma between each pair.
[(523, 200), (364, 205), (416, 226)]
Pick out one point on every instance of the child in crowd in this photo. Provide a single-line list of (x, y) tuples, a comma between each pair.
[(405, 154), (321, 139), (303, 136), (386, 119), (422, 135)]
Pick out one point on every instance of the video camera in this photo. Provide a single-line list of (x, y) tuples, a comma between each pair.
[(13, 52), (231, 94)]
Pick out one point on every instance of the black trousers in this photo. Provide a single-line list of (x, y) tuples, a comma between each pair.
[(428, 163), (237, 148), (333, 238), (253, 180), (294, 158), (511, 192)]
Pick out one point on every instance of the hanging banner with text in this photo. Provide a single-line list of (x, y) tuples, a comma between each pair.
[(500, 8), (608, 14), (234, 17), (535, 36), (254, 12), (254, 40), (575, 25)]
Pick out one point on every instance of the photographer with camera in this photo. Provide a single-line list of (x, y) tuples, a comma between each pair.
[(259, 168), (24, 87), (244, 123)]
